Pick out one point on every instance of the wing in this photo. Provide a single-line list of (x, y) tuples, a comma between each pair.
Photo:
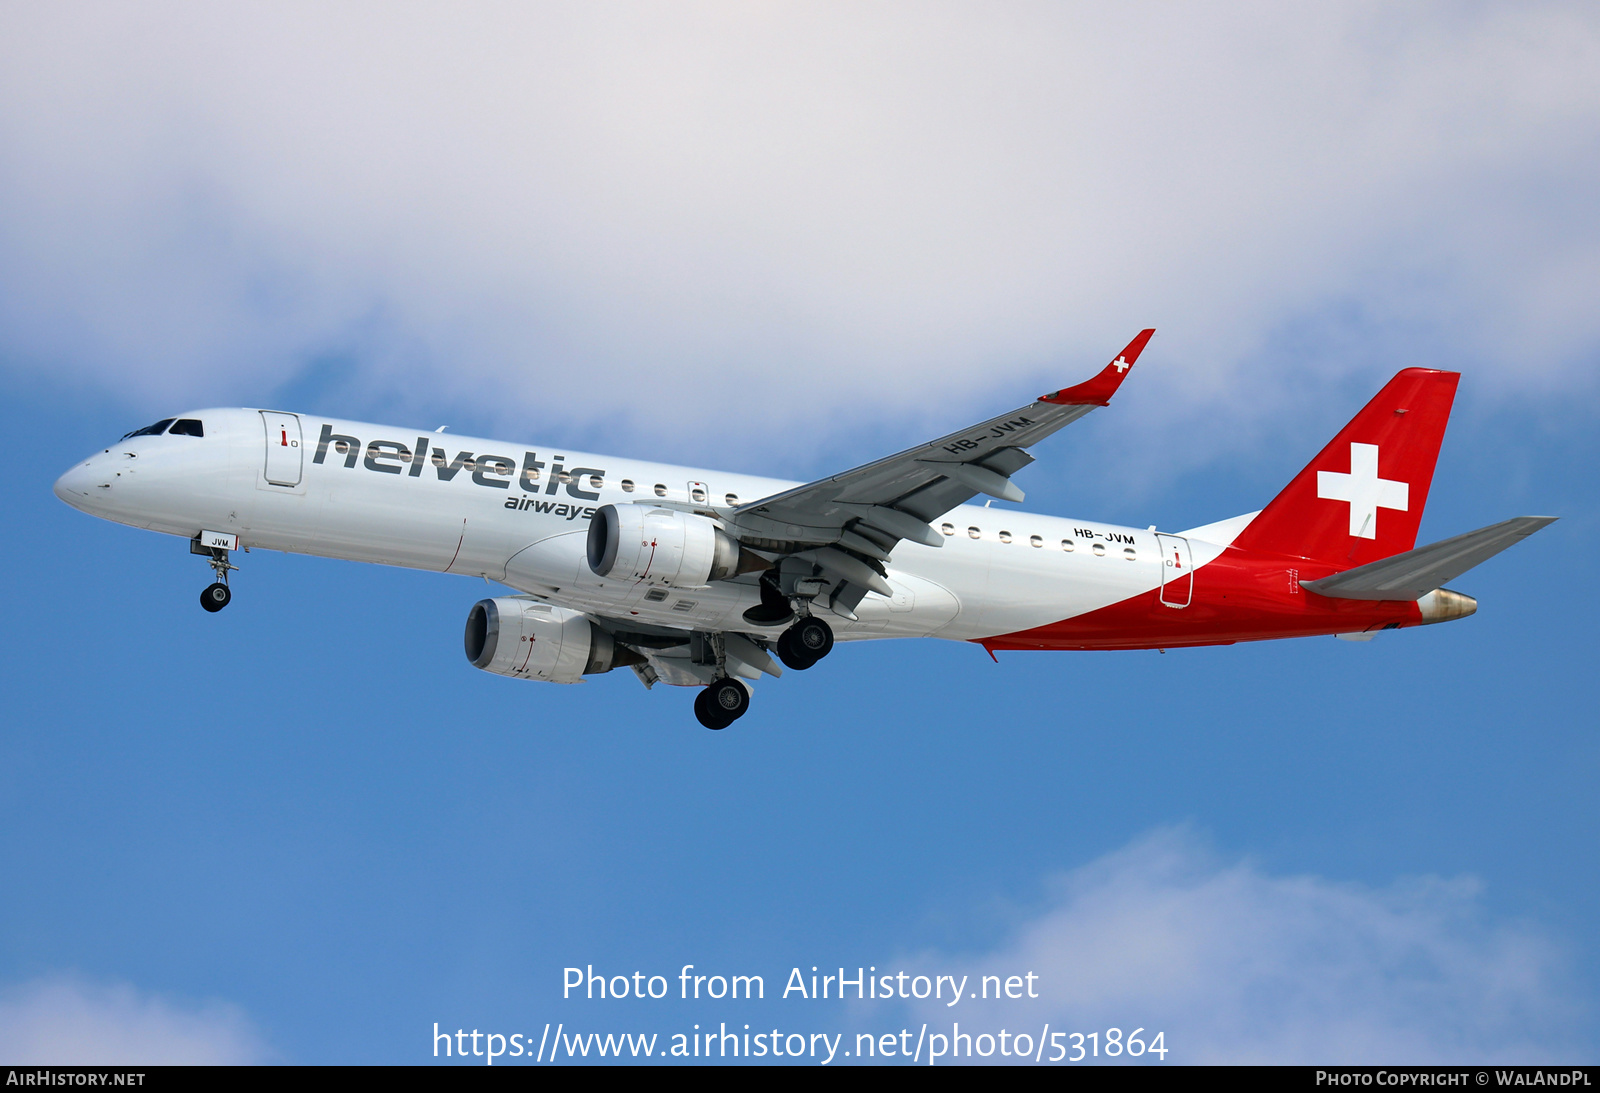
[(868, 510)]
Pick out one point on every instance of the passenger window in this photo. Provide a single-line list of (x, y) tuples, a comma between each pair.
[(627, 485), (1099, 550), (732, 500), (661, 491), (1036, 540), (947, 529), (150, 430), (1005, 536), (187, 426), (698, 495), (974, 533), (1066, 544), (1128, 553)]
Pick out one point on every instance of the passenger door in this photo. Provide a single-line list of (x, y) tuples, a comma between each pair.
[(285, 455), (1177, 576)]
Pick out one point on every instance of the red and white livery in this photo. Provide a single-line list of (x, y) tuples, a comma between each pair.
[(711, 579)]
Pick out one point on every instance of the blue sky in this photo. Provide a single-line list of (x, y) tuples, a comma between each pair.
[(306, 829)]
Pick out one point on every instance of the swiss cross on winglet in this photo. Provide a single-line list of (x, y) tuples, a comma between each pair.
[(1098, 391)]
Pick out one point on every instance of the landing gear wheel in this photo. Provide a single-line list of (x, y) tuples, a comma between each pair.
[(791, 656), (728, 697), (722, 703), (811, 637), (705, 714), (216, 595)]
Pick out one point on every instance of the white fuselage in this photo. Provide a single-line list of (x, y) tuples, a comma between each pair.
[(520, 515)]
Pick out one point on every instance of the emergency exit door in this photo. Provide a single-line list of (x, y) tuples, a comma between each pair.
[(284, 451), (1177, 576)]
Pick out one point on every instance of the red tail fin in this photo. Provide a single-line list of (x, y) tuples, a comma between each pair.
[(1361, 499)]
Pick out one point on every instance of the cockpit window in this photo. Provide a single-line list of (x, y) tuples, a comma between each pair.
[(151, 430), (187, 426)]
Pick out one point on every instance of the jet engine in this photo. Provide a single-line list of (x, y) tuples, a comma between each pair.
[(661, 546), (526, 639)]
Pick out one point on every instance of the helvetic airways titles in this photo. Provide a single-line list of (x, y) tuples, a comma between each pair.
[(494, 471), (865, 983)]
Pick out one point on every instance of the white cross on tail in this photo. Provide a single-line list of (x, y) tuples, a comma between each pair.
[(1366, 492), (1121, 364)]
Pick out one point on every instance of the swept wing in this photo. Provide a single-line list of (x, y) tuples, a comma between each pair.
[(871, 508)]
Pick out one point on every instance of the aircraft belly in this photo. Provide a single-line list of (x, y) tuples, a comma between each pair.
[(720, 606), (918, 608)]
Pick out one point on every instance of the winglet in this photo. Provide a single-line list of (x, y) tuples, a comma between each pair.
[(1098, 391)]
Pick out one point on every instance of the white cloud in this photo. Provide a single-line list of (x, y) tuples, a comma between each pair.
[(63, 1021), (1235, 965), (736, 215)]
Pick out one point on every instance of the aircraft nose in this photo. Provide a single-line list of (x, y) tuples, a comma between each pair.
[(74, 487)]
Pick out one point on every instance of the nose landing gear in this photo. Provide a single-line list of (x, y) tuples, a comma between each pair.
[(217, 595)]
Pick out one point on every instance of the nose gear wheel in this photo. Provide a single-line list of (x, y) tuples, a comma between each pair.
[(216, 595)]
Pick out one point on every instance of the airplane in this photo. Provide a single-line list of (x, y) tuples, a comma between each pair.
[(698, 578)]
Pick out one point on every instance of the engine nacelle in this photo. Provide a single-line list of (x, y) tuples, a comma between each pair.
[(526, 639), (660, 546)]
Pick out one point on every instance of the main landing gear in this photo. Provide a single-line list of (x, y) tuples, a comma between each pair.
[(725, 700), (722, 703), (806, 642)]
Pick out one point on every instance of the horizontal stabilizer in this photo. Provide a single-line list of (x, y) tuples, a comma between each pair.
[(1412, 575)]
